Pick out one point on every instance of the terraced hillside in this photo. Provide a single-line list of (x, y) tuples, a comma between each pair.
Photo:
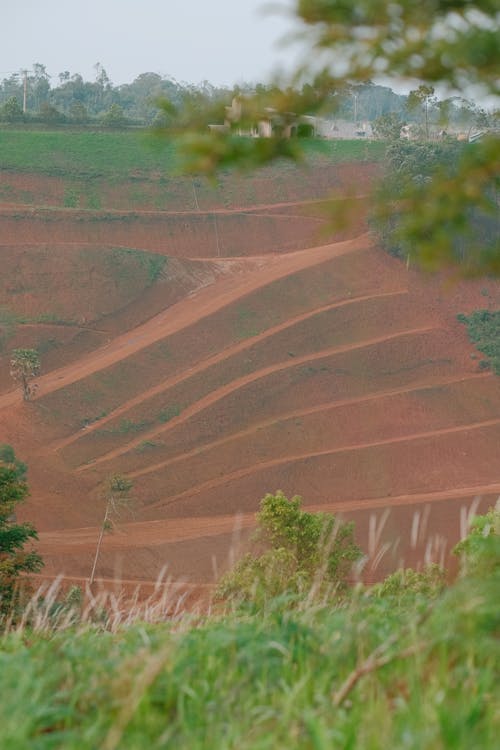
[(214, 354)]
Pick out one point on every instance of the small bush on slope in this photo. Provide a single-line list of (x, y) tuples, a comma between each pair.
[(479, 552), (483, 328), (407, 585), (302, 551)]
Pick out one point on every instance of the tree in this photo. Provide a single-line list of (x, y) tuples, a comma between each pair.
[(117, 497), (11, 111), (114, 117), (437, 205), (24, 366), (14, 558), (436, 41), (50, 114), (39, 86), (447, 42), (78, 113), (420, 99), (388, 126), (302, 551)]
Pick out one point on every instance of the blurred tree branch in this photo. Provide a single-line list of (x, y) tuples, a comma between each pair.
[(445, 216)]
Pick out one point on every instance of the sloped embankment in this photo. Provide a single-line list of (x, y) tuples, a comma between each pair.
[(66, 300), (302, 362), (332, 373)]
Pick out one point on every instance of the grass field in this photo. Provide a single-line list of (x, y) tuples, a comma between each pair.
[(398, 667), (93, 153)]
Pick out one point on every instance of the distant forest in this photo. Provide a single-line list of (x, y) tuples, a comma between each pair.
[(34, 97)]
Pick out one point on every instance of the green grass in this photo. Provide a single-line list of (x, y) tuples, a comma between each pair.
[(260, 680), (246, 324), (169, 412), (46, 345), (83, 154), (122, 263), (51, 319), (147, 445), (483, 328), (125, 427), (409, 663), (9, 321), (345, 150), (122, 154), (8, 324), (95, 418)]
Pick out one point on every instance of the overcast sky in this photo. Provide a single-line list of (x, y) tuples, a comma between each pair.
[(222, 41)]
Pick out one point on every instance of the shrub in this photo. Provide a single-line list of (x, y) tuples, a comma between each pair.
[(483, 328), (303, 552), (407, 585), (479, 552)]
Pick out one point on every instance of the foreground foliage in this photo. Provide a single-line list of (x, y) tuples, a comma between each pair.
[(452, 43), (429, 210), (376, 669)]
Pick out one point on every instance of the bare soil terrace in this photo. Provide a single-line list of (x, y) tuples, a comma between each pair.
[(251, 348)]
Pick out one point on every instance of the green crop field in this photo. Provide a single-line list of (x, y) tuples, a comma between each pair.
[(84, 153), (122, 153)]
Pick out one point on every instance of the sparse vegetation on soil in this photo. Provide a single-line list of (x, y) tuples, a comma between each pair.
[(215, 341)]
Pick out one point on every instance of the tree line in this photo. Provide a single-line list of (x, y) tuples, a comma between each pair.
[(32, 96), (36, 96)]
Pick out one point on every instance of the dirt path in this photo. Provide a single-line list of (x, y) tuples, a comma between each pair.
[(249, 470), (144, 533), (257, 208), (234, 385), (396, 501), (217, 358), (327, 406), (202, 303), (126, 581), (193, 541), (157, 532)]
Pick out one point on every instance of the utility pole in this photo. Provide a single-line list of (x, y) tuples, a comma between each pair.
[(25, 90), (195, 196), (216, 235)]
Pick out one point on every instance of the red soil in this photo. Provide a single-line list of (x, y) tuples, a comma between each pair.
[(174, 193), (197, 235), (328, 371)]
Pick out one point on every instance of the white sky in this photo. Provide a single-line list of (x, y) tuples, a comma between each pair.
[(222, 41)]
